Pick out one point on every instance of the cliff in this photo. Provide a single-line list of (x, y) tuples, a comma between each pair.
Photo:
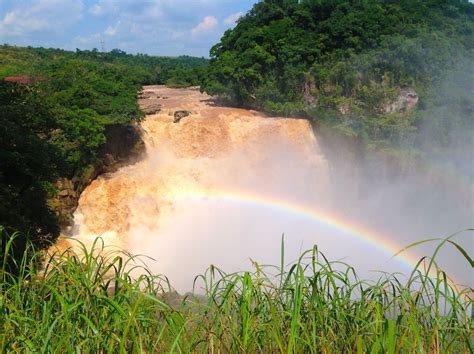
[(124, 145)]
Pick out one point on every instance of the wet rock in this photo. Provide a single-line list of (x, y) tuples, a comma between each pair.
[(178, 115), (124, 145), (152, 108), (65, 201), (145, 95), (63, 193), (109, 160)]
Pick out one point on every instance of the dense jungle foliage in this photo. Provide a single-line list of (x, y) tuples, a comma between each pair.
[(54, 125), (351, 65)]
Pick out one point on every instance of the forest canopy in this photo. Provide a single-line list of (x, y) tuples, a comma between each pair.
[(348, 64)]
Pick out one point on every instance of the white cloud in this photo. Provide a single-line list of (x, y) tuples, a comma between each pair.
[(41, 16), (103, 7), (232, 19), (162, 27), (132, 9), (96, 39), (207, 24), (111, 31), (96, 10)]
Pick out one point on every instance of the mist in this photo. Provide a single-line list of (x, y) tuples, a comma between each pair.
[(178, 205)]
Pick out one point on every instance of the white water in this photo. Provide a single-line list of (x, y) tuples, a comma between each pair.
[(220, 148)]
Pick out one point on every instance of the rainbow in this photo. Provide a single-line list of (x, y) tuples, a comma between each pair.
[(373, 238), (320, 216)]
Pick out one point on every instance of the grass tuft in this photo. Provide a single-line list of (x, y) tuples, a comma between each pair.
[(98, 300)]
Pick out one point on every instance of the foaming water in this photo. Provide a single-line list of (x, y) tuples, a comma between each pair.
[(220, 187)]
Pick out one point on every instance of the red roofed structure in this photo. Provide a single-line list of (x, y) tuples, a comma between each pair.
[(24, 80)]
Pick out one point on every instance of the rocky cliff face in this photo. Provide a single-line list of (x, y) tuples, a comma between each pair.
[(124, 145)]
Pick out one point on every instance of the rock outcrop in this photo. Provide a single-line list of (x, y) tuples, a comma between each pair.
[(148, 103), (178, 115), (152, 108), (145, 95), (124, 146), (407, 100)]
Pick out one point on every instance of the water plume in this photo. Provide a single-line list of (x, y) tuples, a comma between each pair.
[(221, 186)]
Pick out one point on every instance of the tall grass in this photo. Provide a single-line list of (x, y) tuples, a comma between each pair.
[(90, 302)]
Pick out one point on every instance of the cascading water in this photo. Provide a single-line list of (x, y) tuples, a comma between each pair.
[(220, 187)]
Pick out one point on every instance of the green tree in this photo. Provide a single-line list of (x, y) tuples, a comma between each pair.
[(28, 165)]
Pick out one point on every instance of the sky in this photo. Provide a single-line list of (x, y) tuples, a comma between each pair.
[(155, 27)]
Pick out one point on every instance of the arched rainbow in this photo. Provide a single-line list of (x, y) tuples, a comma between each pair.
[(375, 239), (323, 217)]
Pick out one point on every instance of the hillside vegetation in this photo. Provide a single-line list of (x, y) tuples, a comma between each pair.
[(55, 125), (347, 64)]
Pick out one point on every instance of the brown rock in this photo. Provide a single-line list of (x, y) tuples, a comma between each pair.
[(63, 193), (178, 115), (152, 108)]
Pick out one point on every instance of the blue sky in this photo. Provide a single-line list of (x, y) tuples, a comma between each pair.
[(156, 27)]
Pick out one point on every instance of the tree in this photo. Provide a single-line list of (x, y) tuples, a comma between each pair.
[(28, 165)]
